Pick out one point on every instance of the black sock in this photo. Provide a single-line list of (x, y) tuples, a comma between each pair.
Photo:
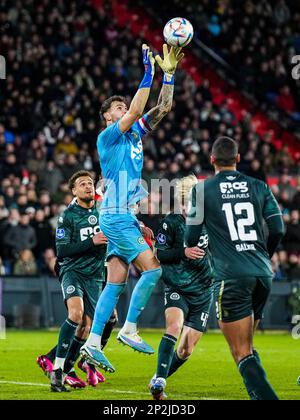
[(66, 335), (51, 354), (73, 354), (109, 326), (256, 355), (255, 379), (165, 354), (176, 363)]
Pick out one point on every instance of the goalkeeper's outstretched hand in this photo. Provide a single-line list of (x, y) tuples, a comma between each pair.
[(171, 59), (148, 60)]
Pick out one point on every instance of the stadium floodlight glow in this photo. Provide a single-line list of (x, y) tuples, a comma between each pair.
[(2, 67)]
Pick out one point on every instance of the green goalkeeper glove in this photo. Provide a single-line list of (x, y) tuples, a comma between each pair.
[(171, 59)]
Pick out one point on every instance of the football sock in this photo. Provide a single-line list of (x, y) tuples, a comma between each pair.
[(51, 354), (66, 335), (165, 355), (105, 306), (142, 293), (73, 354), (109, 326), (255, 379), (256, 355), (175, 363)]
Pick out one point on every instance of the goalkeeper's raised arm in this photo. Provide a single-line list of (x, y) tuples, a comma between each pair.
[(140, 99), (168, 65)]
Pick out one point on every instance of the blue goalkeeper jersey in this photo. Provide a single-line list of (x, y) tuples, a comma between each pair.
[(121, 159)]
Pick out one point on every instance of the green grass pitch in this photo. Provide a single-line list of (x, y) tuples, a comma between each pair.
[(209, 374)]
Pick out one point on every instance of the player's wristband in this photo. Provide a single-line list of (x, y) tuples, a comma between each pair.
[(147, 81), (168, 79)]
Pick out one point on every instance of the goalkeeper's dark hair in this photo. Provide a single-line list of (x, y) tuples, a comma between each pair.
[(77, 175), (225, 151), (107, 103)]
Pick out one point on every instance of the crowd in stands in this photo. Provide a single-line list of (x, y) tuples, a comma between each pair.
[(63, 60), (256, 38)]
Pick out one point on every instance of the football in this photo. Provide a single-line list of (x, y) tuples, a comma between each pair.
[(178, 32)]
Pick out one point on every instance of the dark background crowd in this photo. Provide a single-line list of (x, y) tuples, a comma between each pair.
[(65, 58)]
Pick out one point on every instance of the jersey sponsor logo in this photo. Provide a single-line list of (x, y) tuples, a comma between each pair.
[(89, 232), (141, 240), (174, 296), (137, 151), (231, 187), (161, 238), (70, 289), (60, 233), (203, 241), (92, 220)]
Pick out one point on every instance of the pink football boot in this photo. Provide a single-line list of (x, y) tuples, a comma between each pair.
[(45, 364)]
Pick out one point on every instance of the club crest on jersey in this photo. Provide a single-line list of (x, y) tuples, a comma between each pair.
[(161, 238), (60, 233), (141, 240), (174, 296), (92, 220), (135, 135)]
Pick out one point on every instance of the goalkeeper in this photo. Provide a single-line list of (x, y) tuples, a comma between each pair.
[(120, 152)]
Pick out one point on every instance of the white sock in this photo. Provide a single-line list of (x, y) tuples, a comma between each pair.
[(129, 327), (59, 363), (94, 341)]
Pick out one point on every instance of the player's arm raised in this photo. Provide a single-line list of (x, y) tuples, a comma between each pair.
[(140, 99), (168, 65)]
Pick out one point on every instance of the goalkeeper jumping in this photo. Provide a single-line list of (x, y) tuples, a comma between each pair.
[(120, 152)]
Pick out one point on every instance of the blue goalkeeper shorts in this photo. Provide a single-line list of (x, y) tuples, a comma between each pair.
[(125, 239)]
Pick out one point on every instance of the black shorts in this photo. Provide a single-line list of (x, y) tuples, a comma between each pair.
[(88, 288), (239, 298), (195, 306)]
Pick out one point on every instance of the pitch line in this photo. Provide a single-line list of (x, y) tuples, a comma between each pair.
[(116, 391)]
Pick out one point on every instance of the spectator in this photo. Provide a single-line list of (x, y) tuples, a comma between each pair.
[(66, 146), (48, 262), (25, 264), (294, 267), (43, 232), (279, 273), (292, 236), (256, 170), (51, 178), (21, 236)]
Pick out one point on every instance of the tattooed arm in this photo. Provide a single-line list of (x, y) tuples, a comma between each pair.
[(168, 65), (164, 105)]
